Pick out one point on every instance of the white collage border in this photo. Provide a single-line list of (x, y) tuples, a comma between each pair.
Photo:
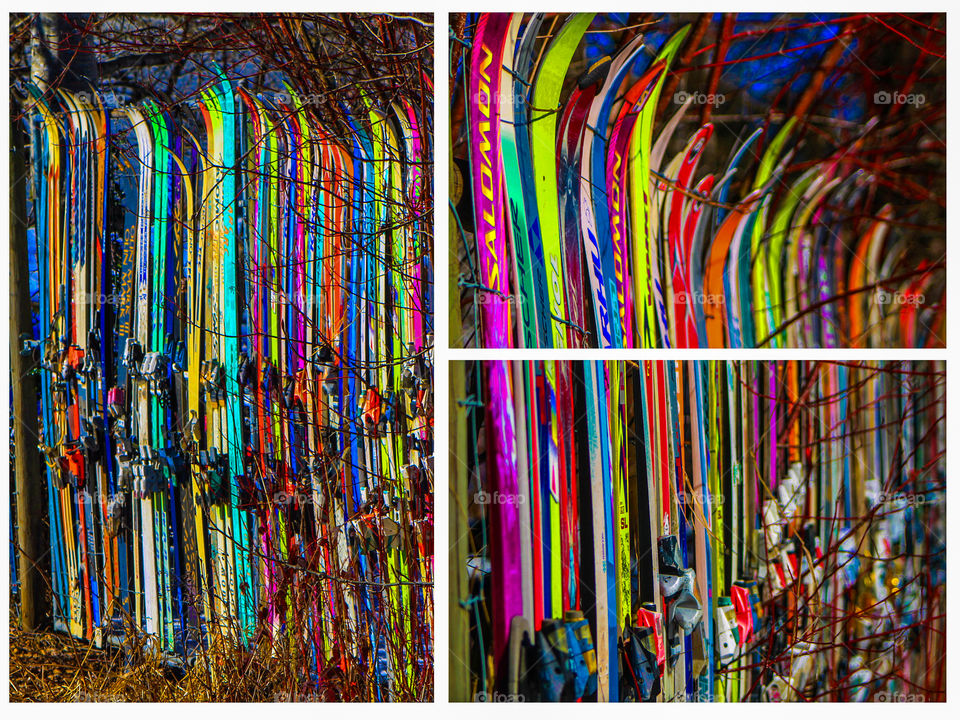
[(443, 355)]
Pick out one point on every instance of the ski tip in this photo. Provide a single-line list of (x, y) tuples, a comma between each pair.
[(595, 73)]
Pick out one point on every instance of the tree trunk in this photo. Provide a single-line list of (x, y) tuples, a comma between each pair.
[(60, 55), (28, 468)]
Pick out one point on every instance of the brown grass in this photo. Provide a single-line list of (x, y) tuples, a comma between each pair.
[(52, 667)]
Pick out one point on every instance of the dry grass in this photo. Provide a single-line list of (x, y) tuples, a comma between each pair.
[(52, 667)]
